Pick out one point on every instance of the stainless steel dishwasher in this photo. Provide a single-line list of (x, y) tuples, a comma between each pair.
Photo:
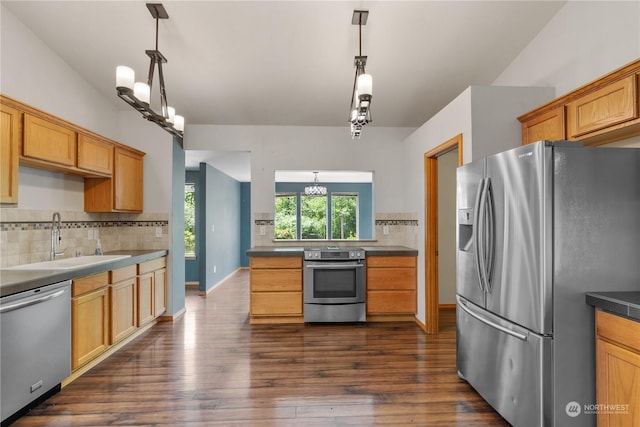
[(35, 346)]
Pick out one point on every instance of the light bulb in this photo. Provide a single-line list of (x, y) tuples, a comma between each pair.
[(125, 77), (172, 114), (365, 85), (142, 91), (178, 123)]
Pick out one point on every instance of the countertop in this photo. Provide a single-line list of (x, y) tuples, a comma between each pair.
[(14, 281), (271, 251), (626, 304)]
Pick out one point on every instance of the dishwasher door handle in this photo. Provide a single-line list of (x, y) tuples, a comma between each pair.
[(33, 301)]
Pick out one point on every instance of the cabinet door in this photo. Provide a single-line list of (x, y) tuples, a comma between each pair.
[(123, 309), (159, 292), (11, 137), (145, 298), (611, 105), (95, 155), (89, 326), (47, 141), (617, 385), (128, 181), (549, 125)]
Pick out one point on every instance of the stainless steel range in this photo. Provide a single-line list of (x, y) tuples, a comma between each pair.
[(334, 285)]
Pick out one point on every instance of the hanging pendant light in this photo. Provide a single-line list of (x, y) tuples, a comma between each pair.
[(359, 111), (315, 189), (138, 94)]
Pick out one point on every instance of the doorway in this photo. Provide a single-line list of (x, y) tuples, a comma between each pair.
[(432, 301)]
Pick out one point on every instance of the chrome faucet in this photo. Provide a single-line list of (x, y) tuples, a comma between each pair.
[(56, 236)]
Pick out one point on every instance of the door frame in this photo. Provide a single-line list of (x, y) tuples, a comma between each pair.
[(432, 317)]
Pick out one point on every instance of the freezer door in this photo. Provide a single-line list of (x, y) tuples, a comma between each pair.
[(508, 365), (469, 179), (519, 261)]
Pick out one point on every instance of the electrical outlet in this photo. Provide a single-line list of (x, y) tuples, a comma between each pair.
[(158, 231), (214, 268), (385, 229), (90, 234), (263, 230), (213, 228), (96, 233)]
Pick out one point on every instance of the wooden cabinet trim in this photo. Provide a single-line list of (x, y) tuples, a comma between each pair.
[(11, 134), (275, 262), (618, 329), (123, 273), (276, 303), (391, 261), (86, 284), (549, 125), (275, 280), (154, 264)]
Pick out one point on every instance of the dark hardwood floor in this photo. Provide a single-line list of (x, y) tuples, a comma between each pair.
[(212, 368)]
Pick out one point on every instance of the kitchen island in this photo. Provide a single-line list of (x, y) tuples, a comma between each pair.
[(617, 336), (276, 284)]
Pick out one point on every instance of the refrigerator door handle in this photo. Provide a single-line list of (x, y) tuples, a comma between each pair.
[(477, 236), (491, 324), (490, 228), (482, 241)]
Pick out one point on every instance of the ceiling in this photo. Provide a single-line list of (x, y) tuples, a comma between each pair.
[(291, 62)]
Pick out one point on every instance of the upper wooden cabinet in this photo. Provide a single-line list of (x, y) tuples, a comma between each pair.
[(95, 154), (123, 192), (600, 112), (11, 137), (613, 104), (44, 140)]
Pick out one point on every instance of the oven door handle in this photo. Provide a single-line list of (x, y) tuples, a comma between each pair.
[(327, 266)]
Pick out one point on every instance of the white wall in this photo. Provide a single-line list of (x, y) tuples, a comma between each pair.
[(582, 42)]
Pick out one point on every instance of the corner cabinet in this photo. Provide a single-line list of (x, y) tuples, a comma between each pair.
[(11, 137), (617, 370), (391, 288), (275, 290), (123, 192)]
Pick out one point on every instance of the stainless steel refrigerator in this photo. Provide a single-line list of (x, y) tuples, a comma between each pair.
[(538, 226)]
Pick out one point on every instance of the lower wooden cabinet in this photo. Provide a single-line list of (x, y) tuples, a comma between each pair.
[(145, 298), (89, 319), (152, 290), (276, 290), (124, 308), (617, 370), (391, 287)]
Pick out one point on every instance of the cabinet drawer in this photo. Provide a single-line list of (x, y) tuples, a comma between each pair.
[(618, 329), (391, 302), (155, 264), (276, 303), (89, 283), (608, 106), (391, 261), (48, 141), (391, 278), (275, 262), (123, 273), (276, 280)]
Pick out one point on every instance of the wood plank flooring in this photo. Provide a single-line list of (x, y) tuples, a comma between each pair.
[(211, 368)]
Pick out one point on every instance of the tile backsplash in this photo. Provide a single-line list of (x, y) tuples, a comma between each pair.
[(25, 235), (401, 228)]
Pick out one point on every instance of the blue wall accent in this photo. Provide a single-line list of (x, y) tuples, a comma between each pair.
[(219, 235), (176, 254), (192, 266), (365, 200), (245, 222)]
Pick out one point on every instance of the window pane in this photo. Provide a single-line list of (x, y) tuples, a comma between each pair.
[(313, 217), (189, 220), (286, 222), (344, 216)]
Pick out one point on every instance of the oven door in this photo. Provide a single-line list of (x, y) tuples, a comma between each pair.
[(334, 282)]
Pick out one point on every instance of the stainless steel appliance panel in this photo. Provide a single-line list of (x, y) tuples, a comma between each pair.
[(508, 365), (335, 312), (334, 282), (597, 246), (518, 195), (468, 188), (35, 345)]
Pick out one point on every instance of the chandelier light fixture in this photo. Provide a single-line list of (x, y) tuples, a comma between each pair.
[(360, 108), (315, 189), (138, 94)]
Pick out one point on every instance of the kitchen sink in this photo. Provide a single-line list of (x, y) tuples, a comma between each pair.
[(69, 263)]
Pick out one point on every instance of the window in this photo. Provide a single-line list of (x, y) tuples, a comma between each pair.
[(190, 220), (307, 217), (344, 216), (286, 224), (313, 217)]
